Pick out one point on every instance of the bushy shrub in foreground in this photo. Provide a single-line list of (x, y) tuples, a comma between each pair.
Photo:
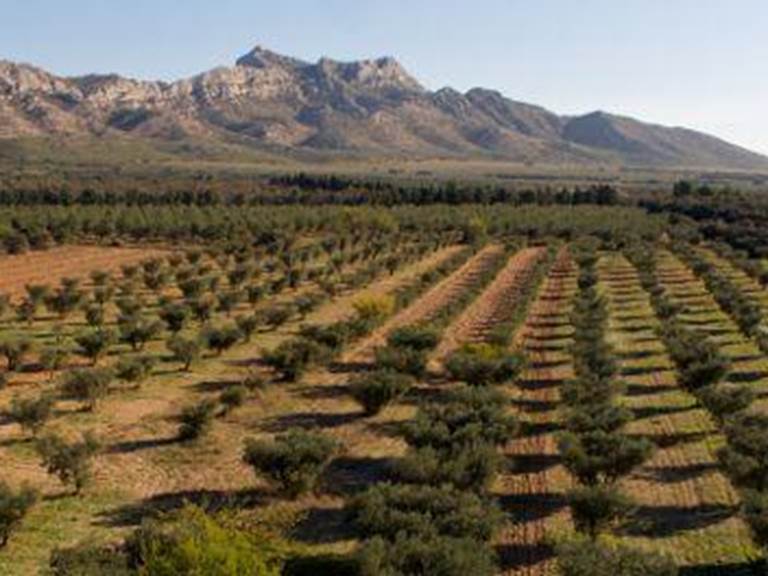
[(378, 389), (14, 506), (293, 357), (470, 467), (422, 555), (196, 421), (69, 460), (469, 416), (390, 509), (293, 461), (596, 508), (602, 457), (484, 364), (587, 558), (745, 457)]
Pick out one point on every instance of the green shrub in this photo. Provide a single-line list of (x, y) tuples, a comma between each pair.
[(745, 457), (278, 315), (94, 344), (233, 397), (88, 385), (388, 510), (293, 461), (596, 508), (378, 389), (597, 415), (421, 338), (467, 417), (175, 316), (14, 506), (602, 457), (292, 357), (756, 514), (53, 358), (421, 556), (220, 338), (723, 400), (134, 369), (470, 467), (483, 364), (586, 558), (403, 360), (94, 315), (196, 421), (184, 350), (70, 461), (31, 413), (248, 325), (15, 350), (192, 542), (334, 336)]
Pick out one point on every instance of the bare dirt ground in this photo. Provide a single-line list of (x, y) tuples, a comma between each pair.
[(532, 489), (49, 266)]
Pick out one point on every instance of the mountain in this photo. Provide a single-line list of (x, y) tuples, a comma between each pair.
[(372, 108)]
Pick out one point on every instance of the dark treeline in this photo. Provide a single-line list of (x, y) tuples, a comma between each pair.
[(316, 190), (738, 218)]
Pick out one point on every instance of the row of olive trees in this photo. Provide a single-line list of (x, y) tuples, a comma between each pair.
[(742, 308), (438, 515), (594, 448), (702, 370)]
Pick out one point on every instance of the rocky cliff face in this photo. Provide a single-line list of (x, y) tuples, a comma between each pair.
[(366, 107)]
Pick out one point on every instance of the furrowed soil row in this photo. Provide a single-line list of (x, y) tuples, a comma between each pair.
[(495, 306), (532, 490), (47, 267), (686, 507), (430, 304)]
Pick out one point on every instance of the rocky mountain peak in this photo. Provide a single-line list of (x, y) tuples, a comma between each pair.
[(260, 57), (371, 106)]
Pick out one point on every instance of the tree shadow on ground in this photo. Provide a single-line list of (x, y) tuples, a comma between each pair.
[(674, 474), (532, 463), (329, 392), (665, 521), (145, 444), (210, 500), (325, 526), (524, 508), (540, 428), (668, 440), (209, 386), (635, 390), (757, 568), (350, 475), (653, 411), (516, 558), (310, 420)]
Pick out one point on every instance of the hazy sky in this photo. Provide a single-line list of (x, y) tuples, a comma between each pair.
[(697, 63)]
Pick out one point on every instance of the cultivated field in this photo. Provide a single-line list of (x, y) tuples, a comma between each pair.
[(478, 399)]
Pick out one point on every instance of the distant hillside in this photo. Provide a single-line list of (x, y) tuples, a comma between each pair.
[(276, 105)]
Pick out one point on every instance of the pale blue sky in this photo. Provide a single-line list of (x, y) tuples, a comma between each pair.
[(698, 63)]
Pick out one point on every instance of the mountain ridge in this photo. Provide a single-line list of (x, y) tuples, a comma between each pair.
[(373, 107)]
